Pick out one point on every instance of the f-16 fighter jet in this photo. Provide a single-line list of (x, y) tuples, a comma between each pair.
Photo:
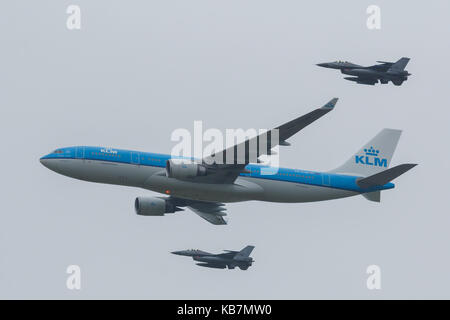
[(382, 72), (230, 259)]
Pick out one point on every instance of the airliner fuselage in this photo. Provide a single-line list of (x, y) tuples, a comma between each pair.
[(147, 171)]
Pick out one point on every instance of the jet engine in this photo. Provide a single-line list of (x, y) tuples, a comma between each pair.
[(181, 169), (152, 206)]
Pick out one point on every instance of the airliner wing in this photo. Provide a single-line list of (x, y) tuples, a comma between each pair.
[(213, 212), (229, 163)]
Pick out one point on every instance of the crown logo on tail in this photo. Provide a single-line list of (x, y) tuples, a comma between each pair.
[(371, 152)]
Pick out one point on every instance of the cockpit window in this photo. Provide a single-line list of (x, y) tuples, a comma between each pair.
[(58, 151)]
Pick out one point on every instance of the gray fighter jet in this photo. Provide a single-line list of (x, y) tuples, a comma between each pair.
[(230, 259), (383, 72)]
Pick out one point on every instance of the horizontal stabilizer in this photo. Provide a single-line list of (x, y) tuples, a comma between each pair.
[(383, 177)]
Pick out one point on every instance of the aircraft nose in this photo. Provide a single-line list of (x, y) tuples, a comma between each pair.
[(325, 64), (44, 161), (181, 253), (48, 163)]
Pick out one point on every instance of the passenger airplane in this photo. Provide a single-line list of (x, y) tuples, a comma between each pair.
[(205, 188)]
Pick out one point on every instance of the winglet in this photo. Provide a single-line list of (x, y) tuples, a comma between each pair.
[(330, 104)]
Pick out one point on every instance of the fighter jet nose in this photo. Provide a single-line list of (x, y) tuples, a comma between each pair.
[(183, 253), (322, 65)]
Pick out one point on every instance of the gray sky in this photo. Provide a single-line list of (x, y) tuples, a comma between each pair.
[(137, 70)]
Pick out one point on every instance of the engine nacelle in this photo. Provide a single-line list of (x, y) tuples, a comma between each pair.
[(181, 169), (151, 206)]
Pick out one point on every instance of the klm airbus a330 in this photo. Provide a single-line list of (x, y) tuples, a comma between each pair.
[(205, 188)]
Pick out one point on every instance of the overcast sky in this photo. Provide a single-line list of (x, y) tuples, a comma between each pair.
[(137, 70)]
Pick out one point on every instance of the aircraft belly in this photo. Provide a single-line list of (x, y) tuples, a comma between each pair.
[(210, 265), (209, 259), (283, 191), (241, 190), (244, 188), (363, 73), (105, 172)]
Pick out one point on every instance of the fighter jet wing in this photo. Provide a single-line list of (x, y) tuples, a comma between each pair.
[(362, 80), (229, 163), (228, 254), (212, 265), (383, 66)]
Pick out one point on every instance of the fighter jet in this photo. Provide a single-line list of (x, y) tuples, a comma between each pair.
[(230, 259), (383, 72)]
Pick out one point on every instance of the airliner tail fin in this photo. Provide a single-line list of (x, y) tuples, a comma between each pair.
[(375, 156)]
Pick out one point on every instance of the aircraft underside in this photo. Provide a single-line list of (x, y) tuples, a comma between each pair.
[(363, 76), (154, 179)]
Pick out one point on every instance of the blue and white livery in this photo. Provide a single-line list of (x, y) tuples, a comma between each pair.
[(205, 188)]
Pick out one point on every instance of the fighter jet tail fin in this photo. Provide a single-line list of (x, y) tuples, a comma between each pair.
[(244, 253), (375, 156), (400, 65)]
